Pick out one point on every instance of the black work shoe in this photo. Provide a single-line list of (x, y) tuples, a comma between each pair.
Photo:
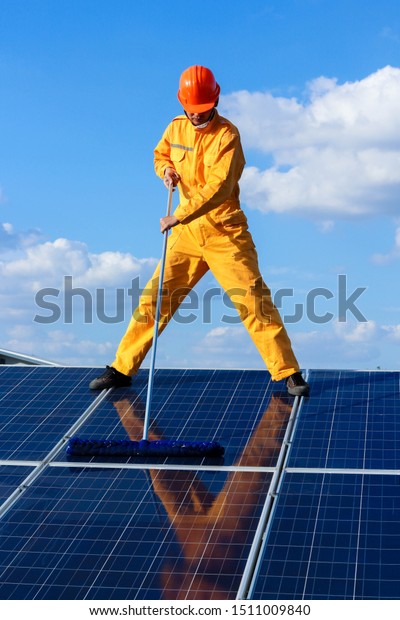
[(110, 378), (296, 386)]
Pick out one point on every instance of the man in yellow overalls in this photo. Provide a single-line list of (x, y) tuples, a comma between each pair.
[(201, 153)]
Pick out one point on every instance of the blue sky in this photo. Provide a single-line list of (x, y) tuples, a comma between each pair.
[(87, 87)]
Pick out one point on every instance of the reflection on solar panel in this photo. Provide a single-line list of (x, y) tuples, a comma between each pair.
[(304, 505)]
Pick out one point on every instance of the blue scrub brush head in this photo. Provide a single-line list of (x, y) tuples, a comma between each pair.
[(125, 447)]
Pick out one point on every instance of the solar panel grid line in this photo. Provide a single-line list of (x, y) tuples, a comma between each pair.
[(250, 572), (194, 400), (21, 489), (166, 533), (166, 402), (71, 431), (207, 543), (22, 550), (362, 486), (10, 478), (18, 463), (227, 405), (4, 427), (314, 533), (284, 469), (11, 499), (356, 568), (210, 549), (340, 562), (251, 579), (140, 587), (256, 414), (345, 470), (169, 396), (85, 415), (155, 558), (62, 441), (15, 386), (38, 394), (367, 412), (332, 422), (160, 466), (355, 408), (114, 429), (176, 387), (39, 404), (106, 491), (16, 495), (229, 388), (346, 502)]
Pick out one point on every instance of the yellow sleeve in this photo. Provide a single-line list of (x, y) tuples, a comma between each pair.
[(162, 155), (224, 173)]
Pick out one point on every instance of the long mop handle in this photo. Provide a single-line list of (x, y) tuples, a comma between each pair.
[(156, 325)]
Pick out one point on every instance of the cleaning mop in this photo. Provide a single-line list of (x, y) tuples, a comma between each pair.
[(161, 447)]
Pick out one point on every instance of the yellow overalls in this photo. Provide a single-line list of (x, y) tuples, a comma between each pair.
[(212, 234)]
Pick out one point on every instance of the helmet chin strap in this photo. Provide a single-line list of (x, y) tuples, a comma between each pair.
[(203, 125)]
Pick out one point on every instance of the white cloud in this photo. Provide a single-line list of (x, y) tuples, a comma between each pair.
[(39, 265), (57, 346), (223, 339), (11, 241), (383, 259), (226, 347), (392, 332), (29, 265), (326, 226), (336, 154), (337, 345), (356, 332), (349, 345)]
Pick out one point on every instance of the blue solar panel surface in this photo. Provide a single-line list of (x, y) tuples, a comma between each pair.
[(334, 536), (122, 534), (195, 405), (10, 479), (351, 421), (38, 404), (304, 505)]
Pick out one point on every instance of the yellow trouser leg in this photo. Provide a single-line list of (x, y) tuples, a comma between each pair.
[(233, 260), (234, 263), (183, 268)]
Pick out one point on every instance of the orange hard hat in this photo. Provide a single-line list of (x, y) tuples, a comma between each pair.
[(198, 90)]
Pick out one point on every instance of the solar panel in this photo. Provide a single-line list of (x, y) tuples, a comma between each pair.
[(351, 421), (117, 530), (130, 534), (226, 406), (304, 504), (10, 478), (37, 406), (335, 529), (333, 536)]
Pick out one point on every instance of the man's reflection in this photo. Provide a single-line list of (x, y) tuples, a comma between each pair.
[(214, 530)]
